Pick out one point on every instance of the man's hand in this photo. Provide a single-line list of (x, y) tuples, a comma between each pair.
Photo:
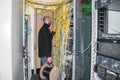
[(49, 59)]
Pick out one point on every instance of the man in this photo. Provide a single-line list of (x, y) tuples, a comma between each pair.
[(44, 40)]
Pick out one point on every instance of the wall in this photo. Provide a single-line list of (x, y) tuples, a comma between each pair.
[(17, 39), (11, 20), (5, 40), (39, 25)]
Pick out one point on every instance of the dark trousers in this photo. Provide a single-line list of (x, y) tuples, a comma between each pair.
[(43, 61)]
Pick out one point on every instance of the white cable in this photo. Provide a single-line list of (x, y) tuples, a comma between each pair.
[(82, 51)]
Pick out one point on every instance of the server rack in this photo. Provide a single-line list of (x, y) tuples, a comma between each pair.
[(107, 50)]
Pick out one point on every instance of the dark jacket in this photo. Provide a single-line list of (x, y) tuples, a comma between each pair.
[(44, 41)]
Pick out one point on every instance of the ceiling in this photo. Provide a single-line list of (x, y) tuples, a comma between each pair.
[(46, 4), (49, 1)]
